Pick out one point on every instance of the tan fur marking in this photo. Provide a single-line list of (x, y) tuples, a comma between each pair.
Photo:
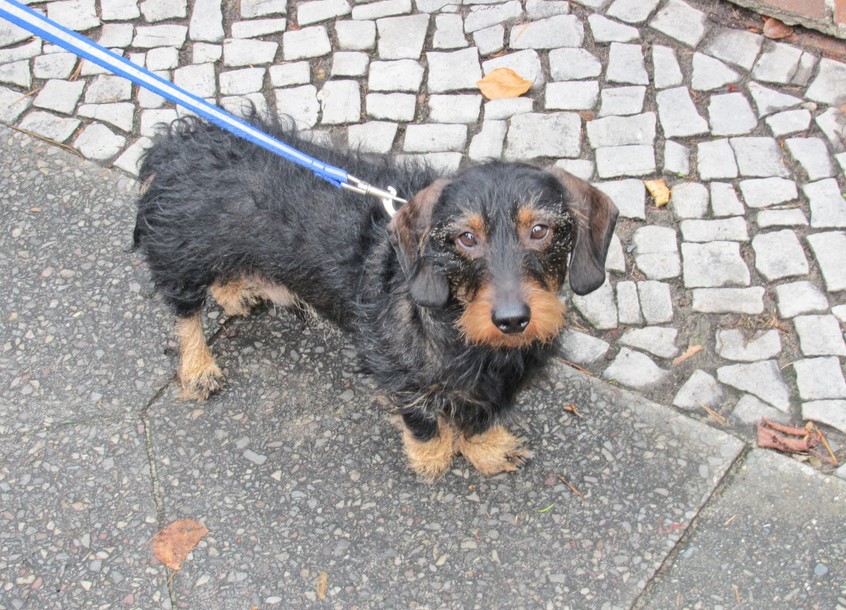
[(495, 450), (198, 373), (238, 297), (526, 219), (431, 459), (547, 319), (476, 224)]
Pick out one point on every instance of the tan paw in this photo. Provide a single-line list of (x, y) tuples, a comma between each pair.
[(200, 384), (430, 459), (495, 450)]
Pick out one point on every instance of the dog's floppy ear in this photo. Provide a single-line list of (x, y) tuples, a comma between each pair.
[(408, 229), (596, 216)]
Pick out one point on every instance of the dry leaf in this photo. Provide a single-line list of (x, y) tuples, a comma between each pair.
[(775, 29), (659, 191), (322, 585), (502, 83), (172, 545)]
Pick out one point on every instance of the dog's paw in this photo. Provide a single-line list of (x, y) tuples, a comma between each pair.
[(430, 459), (199, 385), (494, 451)]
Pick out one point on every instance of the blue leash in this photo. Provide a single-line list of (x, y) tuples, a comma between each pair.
[(41, 26)]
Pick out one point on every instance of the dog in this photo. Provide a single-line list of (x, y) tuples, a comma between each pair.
[(452, 304)]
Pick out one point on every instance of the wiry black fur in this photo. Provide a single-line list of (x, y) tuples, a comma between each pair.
[(216, 208)]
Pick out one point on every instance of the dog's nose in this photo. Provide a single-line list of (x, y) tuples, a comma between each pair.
[(512, 318)]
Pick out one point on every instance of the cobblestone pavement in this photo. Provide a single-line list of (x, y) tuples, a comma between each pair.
[(745, 262)]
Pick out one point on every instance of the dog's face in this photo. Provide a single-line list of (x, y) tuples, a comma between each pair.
[(496, 239)]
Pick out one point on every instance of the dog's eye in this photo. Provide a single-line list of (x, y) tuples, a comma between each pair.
[(467, 240), (539, 232)]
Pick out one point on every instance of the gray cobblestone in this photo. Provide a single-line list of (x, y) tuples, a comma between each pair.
[(758, 156), (573, 64), (161, 10), (392, 106), (713, 265), (725, 229), (105, 89), (79, 16), (769, 101), (820, 378), (676, 159), (300, 103), (628, 305), (582, 348), (434, 138), (779, 254), (203, 52), (681, 22), (764, 192), (828, 207), (402, 37), (622, 101), (678, 114), (812, 155), (549, 33), (700, 389), (12, 105), (656, 252), (206, 21), (377, 10), (762, 379), (506, 108), (729, 300), (198, 79), (372, 137), (25, 51), (820, 335), (621, 131), (526, 63), (59, 95), (607, 30), (632, 11), (350, 63), (490, 40), (399, 75), (527, 135), (340, 102), (735, 344), (614, 161), (541, 9), (665, 68), (656, 302), (244, 53), (625, 64), (827, 87), (453, 70), (724, 200), (737, 47), (485, 16), (788, 217), (130, 158), (710, 73), (305, 43), (120, 114), (151, 36), (449, 32), (356, 35), (117, 10), (657, 340), (116, 35), (599, 307), (571, 95), (689, 200), (730, 114), (830, 123), (749, 410), (778, 63), (321, 10), (634, 370), (628, 195), (153, 120), (454, 108), (829, 412), (162, 58), (262, 8), (716, 160), (258, 27), (49, 125), (285, 75), (789, 121), (488, 143), (98, 142), (55, 65), (584, 169)]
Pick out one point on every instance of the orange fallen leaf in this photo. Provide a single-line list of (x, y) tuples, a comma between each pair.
[(775, 29), (659, 191), (502, 83), (172, 545), (322, 585)]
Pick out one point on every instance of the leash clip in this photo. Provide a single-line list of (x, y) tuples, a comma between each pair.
[(386, 196)]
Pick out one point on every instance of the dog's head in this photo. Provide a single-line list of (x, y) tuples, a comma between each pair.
[(497, 239)]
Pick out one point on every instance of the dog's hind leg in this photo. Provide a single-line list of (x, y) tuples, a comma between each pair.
[(199, 375), (493, 451), (237, 297)]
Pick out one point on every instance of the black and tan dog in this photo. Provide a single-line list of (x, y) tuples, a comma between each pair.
[(452, 304)]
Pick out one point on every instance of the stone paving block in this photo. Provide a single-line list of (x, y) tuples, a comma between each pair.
[(98, 142), (778, 254), (377, 10), (625, 64), (585, 169), (59, 95), (689, 200), (356, 35), (300, 103), (321, 10), (203, 53), (829, 412), (839, 312), (820, 335), (725, 229), (724, 200), (582, 348), (449, 32), (730, 114), (759, 156), (628, 195), (12, 105), (506, 108), (827, 87), (830, 123), (764, 192), (262, 8), (622, 101), (768, 101), (305, 43), (526, 63), (729, 300), (372, 137), (620, 131), (454, 108), (399, 75), (434, 138), (749, 411), (699, 389), (820, 378), (777, 64), (715, 160), (445, 163), (198, 79), (106, 89), (490, 40), (163, 58), (735, 46), (828, 206), (549, 33), (528, 136), (665, 68), (789, 121), (350, 63), (812, 155), (485, 16), (607, 30), (151, 36), (247, 53), (241, 105), (25, 51), (116, 35), (632, 11), (393, 106), (161, 10), (713, 265), (598, 307), (788, 217), (762, 379), (129, 161), (678, 114), (340, 102), (402, 37), (841, 160), (256, 28), (55, 65), (628, 305), (206, 21), (656, 302), (119, 10), (657, 340), (573, 64), (710, 74), (735, 344), (79, 15), (571, 95), (12, 34), (634, 370), (656, 252), (284, 75), (453, 70), (153, 121), (681, 22), (488, 143), (49, 125), (676, 159), (614, 161), (540, 9)]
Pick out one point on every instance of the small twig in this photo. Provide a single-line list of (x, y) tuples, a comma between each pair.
[(575, 366), (571, 408), (737, 593), (691, 351), (719, 418), (729, 520), (834, 460), (48, 140), (572, 488)]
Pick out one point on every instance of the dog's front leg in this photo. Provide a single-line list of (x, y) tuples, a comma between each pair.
[(429, 444), (198, 373), (493, 451)]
